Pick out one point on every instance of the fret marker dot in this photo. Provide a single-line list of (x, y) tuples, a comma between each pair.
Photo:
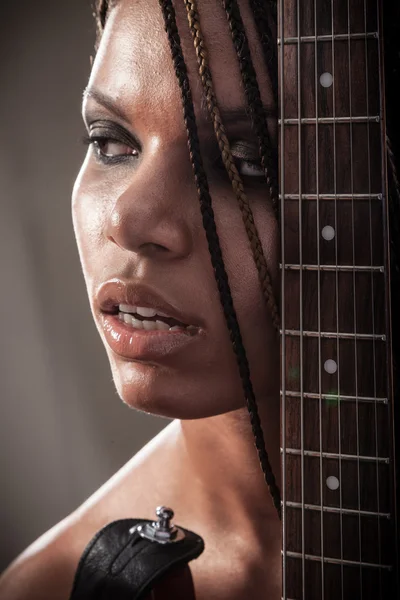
[(330, 366), (332, 482), (326, 80), (328, 233)]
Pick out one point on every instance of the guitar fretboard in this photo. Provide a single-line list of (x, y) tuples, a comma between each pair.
[(338, 515)]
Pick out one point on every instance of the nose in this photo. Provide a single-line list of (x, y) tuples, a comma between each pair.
[(151, 215)]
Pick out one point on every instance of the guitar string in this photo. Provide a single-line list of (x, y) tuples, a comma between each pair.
[(316, 99), (372, 291), (389, 391), (283, 337), (354, 296), (301, 343), (337, 300)]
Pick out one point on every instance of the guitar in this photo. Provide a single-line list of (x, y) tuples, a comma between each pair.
[(337, 386)]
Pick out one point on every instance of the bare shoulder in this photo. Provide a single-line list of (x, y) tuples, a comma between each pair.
[(46, 569)]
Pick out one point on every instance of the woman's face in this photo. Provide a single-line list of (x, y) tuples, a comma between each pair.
[(138, 223)]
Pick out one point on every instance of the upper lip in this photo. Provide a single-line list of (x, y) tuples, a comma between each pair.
[(116, 291)]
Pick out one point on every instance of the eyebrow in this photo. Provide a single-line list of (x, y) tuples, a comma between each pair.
[(229, 116)]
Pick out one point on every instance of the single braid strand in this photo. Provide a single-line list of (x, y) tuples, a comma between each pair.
[(228, 160)]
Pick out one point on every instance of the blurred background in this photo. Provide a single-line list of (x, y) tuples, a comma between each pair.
[(63, 429)]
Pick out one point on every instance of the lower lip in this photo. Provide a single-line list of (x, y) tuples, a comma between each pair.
[(139, 344)]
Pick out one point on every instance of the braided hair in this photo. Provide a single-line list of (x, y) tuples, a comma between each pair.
[(268, 155), (228, 160), (268, 163)]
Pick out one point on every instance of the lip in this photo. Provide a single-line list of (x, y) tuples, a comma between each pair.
[(116, 291), (140, 344)]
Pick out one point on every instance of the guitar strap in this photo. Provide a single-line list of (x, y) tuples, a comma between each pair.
[(134, 559)]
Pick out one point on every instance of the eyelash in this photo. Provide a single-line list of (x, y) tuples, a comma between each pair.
[(112, 160), (100, 156)]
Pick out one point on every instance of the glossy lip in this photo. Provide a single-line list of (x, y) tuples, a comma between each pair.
[(142, 345), (116, 291)]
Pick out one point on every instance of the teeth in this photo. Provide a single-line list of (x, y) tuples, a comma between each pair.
[(130, 320), (148, 325), (162, 326), (136, 323), (127, 308), (145, 312)]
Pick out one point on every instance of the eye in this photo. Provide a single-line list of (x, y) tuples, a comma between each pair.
[(246, 159), (110, 150), (249, 169), (109, 147)]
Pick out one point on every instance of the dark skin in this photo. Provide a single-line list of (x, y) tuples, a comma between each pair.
[(140, 221)]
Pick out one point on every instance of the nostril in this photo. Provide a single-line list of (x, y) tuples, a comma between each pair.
[(154, 247)]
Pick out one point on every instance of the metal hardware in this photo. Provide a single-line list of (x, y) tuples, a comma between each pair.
[(337, 561), (161, 531), (333, 335), (299, 452), (331, 120), (350, 196), (329, 38), (341, 397), (338, 510), (351, 268)]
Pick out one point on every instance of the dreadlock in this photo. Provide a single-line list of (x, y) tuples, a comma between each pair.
[(237, 184), (268, 156), (269, 47), (209, 225)]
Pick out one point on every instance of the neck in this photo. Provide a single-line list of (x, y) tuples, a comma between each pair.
[(226, 480)]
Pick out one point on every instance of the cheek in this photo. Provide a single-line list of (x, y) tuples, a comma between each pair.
[(87, 217), (259, 335)]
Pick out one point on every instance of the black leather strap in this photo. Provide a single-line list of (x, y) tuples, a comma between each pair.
[(119, 565)]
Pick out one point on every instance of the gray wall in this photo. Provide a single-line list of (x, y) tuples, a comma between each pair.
[(63, 429)]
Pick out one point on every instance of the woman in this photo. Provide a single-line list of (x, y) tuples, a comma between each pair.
[(145, 250)]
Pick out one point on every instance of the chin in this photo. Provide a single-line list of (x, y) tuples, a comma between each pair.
[(158, 391)]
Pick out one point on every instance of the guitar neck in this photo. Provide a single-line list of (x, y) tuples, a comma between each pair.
[(339, 521)]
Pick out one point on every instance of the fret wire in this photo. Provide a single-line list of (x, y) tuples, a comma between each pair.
[(372, 292), (327, 37), (299, 145), (357, 268), (317, 121), (333, 196), (357, 457), (283, 339), (330, 120), (314, 396), (334, 335), (337, 561), (340, 510)]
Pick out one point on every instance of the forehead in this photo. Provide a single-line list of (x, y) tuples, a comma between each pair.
[(134, 67)]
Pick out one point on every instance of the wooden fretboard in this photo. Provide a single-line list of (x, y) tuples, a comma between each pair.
[(339, 527)]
